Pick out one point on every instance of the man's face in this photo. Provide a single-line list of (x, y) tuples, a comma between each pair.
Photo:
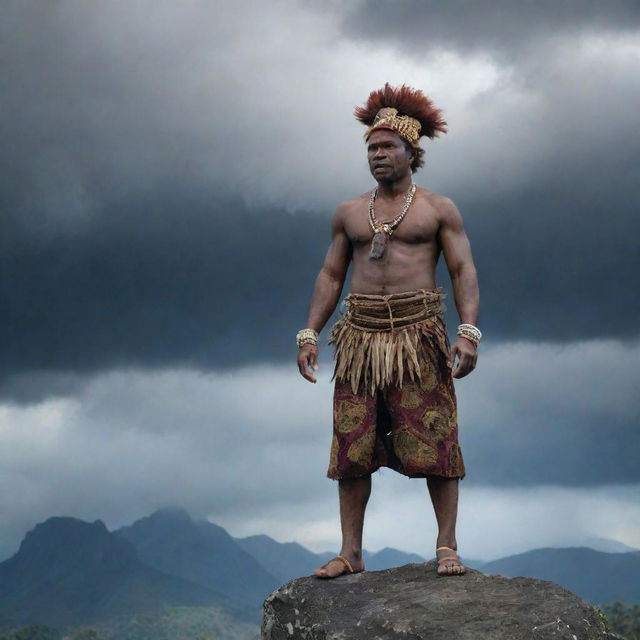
[(389, 158)]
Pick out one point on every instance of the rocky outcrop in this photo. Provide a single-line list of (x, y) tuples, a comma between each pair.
[(413, 603)]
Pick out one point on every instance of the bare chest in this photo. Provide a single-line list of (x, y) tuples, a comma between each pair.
[(419, 226)]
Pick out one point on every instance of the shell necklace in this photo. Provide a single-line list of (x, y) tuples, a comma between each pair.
[(382, 231)]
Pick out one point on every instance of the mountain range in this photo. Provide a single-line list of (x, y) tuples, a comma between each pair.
[(69, 572), (595, 576), (200, 552)]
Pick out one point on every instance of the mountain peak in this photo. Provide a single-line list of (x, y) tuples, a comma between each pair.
[(63, 532), (201, 552), (68, 523), (59, 542)]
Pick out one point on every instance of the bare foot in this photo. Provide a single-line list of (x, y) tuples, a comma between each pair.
[(339, 566), (448, 562)]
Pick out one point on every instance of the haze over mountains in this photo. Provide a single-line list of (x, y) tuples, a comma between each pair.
[(69, 572)]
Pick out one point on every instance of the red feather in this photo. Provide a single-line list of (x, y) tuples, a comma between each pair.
[(408, 102)]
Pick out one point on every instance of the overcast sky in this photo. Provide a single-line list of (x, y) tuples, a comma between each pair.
[(169, 171)]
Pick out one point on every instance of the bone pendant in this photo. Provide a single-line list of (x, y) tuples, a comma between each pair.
[(378, 245)]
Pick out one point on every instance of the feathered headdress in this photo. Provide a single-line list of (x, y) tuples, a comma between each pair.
[(404, 110)]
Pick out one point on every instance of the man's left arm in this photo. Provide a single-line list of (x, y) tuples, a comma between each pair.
[(457, 254)]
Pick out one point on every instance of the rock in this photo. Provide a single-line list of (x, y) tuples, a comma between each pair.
[(413, 603)]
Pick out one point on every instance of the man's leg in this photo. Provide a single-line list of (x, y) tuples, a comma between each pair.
[(444, 496), (354, 494)]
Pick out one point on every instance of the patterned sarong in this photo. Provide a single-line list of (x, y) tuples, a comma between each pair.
[(394, 400)]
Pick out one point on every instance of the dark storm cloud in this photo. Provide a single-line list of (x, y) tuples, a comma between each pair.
[(135, 231), (161, 280), (557, 266), (119, 244), (499, 26)]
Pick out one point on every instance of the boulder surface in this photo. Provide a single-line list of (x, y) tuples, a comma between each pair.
[(413, 603)]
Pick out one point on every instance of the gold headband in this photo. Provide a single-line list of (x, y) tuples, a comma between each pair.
[(405, 126)]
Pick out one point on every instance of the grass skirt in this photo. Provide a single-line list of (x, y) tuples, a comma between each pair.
[(381, 340)]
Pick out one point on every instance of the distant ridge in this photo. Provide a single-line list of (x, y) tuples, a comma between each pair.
[(387, 558), (203, 553), (284, 560), (288, 560), (596, 576), (67, 571)]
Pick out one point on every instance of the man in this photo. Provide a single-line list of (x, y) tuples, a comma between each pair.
[(394, 401)]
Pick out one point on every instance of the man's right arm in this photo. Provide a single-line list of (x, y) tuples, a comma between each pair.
[(327, 290)]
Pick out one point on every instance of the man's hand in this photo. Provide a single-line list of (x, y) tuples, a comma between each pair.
[(308, 360), (467, 355)]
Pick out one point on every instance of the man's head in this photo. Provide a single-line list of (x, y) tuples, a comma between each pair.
[(390, 156), (407, 113)]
